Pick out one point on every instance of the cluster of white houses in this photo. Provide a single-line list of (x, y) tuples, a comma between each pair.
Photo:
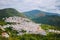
[(54, 31), (24, 24), (16, 19)]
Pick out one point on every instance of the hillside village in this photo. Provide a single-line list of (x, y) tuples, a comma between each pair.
[(18, 26), (20, 23)]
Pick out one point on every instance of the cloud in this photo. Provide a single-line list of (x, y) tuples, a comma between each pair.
[(26, 5)]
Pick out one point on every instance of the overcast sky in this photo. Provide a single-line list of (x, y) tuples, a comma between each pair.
[(27, 5)]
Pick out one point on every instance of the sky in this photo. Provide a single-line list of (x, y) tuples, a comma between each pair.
[(28, 5)]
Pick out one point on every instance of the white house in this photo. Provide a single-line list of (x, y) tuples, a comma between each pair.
[(4, 34)]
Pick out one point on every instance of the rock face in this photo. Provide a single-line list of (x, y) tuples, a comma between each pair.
[(24, 24)]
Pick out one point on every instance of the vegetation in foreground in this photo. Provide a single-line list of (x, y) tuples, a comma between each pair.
[(33, 37), (47, 27), (13, 35)]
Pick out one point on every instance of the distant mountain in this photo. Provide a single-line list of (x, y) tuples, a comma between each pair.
[(9, 12), (37, 13), (44, 17)]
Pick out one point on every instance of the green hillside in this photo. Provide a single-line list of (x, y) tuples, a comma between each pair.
[(51, 20), (9, 12)]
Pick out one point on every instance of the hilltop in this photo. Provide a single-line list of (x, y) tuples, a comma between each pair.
[(37, 13), (8, 12)]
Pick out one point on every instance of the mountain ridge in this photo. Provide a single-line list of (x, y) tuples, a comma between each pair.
[(44, 17), (34, 13)]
